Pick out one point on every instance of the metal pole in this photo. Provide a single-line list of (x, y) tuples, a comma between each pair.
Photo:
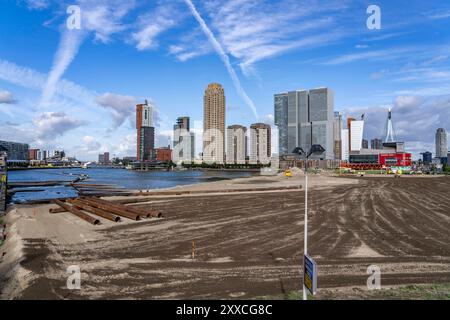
[(305, 241)]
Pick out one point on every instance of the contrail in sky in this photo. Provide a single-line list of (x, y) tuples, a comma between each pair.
[(68, 48), (226, 60)]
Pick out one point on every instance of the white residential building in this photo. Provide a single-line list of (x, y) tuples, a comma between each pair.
[(345, 145), (356, 135), (260, 144), (236, 144)]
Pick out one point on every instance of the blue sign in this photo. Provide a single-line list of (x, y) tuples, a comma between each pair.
[(310, 274)]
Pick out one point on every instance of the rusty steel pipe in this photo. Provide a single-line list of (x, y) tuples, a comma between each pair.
[(141, 212), (57, 210), (99, 212), (78, 213), (120, 207), (112, 209)]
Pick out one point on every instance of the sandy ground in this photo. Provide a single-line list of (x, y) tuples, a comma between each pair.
[(247, 244)]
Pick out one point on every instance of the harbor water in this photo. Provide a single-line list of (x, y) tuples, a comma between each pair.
[(128, 179)]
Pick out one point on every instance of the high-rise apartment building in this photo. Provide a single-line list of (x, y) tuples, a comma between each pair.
[(183, 123), (260, 143), (281, 121), (356, 135), (338, 126), (145, 132), (103, 158), (441, 143), (345, 145), (214, 124), (183, 141), (15, 152), (236, 144), (106, 156)]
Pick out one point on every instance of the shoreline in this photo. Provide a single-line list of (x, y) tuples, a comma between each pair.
[(179, 176)]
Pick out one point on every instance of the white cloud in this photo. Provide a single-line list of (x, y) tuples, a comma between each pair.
[(37, 4), (386, 36), (49, 125), (373, 55), (105, 17), (16, 133), (21, 76), (431, 91), (127, 146), (439, 15), (6, 97), (153, 25), (380, 74), (436, 59), (120, 106), (407, 101), (90, 145), (268, 119), (32, 79), (191, 46)]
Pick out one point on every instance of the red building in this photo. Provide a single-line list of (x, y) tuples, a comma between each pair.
[(395, 159), (33, 154), (163, 154)]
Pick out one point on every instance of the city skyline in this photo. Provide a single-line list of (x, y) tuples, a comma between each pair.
[(402, 65)]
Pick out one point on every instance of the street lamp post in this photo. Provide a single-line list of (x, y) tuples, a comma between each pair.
[(316, 149), (305, 240)]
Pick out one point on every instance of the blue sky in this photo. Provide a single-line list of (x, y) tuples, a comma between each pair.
[(77, 89)]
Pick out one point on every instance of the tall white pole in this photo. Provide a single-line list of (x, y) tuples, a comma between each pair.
[(305, 241)]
